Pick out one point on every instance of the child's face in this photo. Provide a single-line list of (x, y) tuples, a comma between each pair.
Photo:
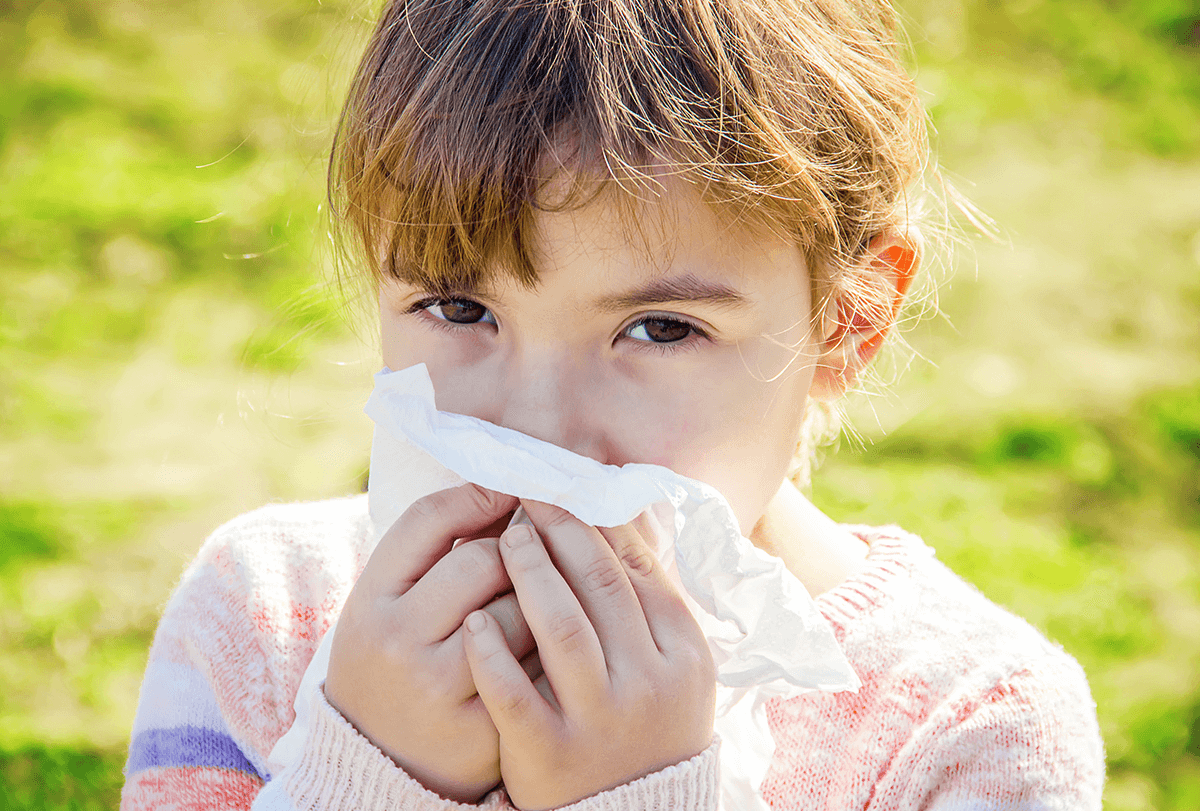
[(683, 341)]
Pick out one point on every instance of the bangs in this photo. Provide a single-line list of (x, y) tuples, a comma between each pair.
[(464, 115)]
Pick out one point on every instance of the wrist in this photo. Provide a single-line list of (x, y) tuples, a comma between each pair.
[(690, 785), (429, 781), (456, 791)]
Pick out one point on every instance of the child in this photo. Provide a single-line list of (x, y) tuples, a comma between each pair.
[(642, 231)]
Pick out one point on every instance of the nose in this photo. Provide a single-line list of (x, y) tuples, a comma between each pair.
[(552, 399)]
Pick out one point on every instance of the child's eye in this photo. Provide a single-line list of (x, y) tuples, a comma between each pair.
[(658, 330), (458, 311)]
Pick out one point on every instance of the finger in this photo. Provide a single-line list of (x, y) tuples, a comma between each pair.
[(570, 651), (649, 524), (507, 614), (517, 709), (585, 558), (532, 665), (668, 618), (466, 578), (427, 530), (542, 685)]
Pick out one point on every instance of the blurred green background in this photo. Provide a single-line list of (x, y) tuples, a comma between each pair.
[(172, 352)]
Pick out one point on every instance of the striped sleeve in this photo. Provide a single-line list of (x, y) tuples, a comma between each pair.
[(184, 752), (225, 667), (181, 754)]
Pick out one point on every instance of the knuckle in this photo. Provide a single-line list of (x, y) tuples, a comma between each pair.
[(513, 703), (455, 502), (425, 510), (481, 559), (494, 657), (637, 560), (568, 631), (485, 502), (478, 499), (558, 518), (603, 578)]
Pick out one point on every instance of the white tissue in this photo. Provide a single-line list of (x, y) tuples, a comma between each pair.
[(766, 635)]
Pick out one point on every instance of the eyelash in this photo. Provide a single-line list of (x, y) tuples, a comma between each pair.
[(421, 308), (685, 344)]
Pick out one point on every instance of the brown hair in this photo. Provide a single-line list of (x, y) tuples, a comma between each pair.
[(796, 114)]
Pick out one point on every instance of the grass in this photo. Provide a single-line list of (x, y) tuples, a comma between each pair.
[(78, 779), (171, 353)]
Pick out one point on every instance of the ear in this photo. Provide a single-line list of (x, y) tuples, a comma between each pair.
[(862, 309)]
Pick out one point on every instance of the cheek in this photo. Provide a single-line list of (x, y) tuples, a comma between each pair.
[(723, 426), (750, 457), (396, 344), (405, 342)]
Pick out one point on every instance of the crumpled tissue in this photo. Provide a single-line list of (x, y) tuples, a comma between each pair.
[(766, 635)]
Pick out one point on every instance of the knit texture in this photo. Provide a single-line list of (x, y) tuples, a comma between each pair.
[(963, 705)]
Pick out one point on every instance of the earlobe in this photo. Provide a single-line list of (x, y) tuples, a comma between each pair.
[(863, 308)]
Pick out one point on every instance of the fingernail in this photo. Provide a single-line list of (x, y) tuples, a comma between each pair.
[(476, 622), (517, 535)]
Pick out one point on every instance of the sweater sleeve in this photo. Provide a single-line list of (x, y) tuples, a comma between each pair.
[(688, 786), (201, 697), (223, 672), (1032, 742), (339, 768)]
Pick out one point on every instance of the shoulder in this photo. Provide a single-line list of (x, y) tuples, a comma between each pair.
[(955, 688), (251, 608), (294, 530), (289, 548), (906, 610), (279, 573)]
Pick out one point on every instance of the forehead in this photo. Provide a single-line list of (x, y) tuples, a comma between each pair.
[(601, 243), (659, 237), (659, 216)]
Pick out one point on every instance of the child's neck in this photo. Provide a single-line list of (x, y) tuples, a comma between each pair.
[(814, 547)]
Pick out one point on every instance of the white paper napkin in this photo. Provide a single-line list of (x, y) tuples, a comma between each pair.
[(765, 633)]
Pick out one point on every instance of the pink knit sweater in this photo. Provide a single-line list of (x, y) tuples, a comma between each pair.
[(963, 705)]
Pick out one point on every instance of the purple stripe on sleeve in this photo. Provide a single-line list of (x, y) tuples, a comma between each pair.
[(186, 746)]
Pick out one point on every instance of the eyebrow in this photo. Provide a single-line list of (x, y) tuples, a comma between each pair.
[(685, 288)]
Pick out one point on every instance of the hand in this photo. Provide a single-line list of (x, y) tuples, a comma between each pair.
[(629, 685), (397, 670)]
